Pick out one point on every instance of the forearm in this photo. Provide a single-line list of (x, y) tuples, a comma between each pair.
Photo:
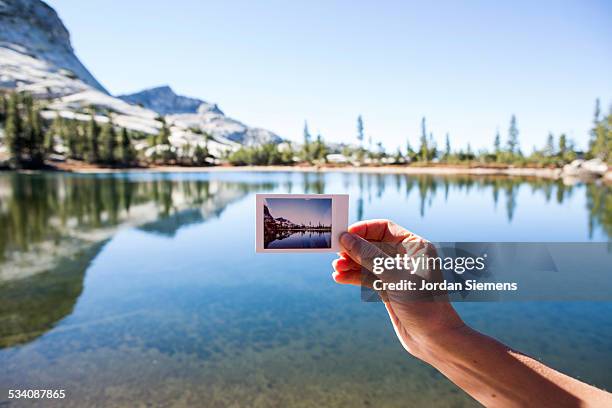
[(495, 375)]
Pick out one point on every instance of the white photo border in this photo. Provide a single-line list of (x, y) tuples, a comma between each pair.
[(340, 204)]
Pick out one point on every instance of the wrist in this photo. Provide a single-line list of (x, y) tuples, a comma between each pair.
[(439, 346)]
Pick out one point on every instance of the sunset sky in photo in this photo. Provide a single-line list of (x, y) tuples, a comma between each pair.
[(301, 211)]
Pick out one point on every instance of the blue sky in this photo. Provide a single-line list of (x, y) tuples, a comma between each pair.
[(466, 66), (301, 211)]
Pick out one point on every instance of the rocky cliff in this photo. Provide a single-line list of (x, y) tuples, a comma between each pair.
[(36, 56), (193, 113), (164, 101), (35, 50)]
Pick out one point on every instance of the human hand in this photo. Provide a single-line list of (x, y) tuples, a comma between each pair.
[(419, 318), (429, 328)]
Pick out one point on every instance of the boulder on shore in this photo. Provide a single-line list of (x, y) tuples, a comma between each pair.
[(585, 168)]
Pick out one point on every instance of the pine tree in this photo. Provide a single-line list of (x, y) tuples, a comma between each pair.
[(596, 114), (108, 139), (432, 153), (316, 148), (287, 154), (513, 133), (320, 151), (602, 144), (13, 129), (26, 112), (360, 130), (307, 136), (410, 153), (207, 138), (398, 156), (57, 129), (381, 149), (497, 143), (562, 145), (127, 151), (34, 135), (200, 155), (163, 137), (597, 110), (3, 108), (72, 139), (306, 148), (38, 136), (424, 149), (447, 148), (167, 154), (549, 149), (608, 135), (92, 135)]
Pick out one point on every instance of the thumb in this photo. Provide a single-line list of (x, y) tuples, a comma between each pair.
[(360, 250), (365, 252)]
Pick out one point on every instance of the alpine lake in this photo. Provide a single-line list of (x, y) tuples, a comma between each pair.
[(144, 289)]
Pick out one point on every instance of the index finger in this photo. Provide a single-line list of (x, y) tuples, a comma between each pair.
[(381, 231)]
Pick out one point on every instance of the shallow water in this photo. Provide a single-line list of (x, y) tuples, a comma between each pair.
[(138, 289)]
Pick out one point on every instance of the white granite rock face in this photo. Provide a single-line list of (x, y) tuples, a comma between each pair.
[(36, 56), (41, 48)]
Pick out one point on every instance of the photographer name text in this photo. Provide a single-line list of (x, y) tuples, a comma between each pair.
[(410, 285)]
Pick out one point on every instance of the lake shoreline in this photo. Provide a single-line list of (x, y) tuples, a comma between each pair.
[(545, 173)]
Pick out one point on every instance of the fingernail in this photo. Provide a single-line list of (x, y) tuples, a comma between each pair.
[(347, 240)]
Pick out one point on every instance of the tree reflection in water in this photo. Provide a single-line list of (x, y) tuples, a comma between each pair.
[(53, 225)]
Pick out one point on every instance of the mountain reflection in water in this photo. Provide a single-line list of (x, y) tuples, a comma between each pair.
[(54, 225)]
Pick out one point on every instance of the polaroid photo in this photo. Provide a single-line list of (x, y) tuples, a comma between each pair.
[(300, 222)]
